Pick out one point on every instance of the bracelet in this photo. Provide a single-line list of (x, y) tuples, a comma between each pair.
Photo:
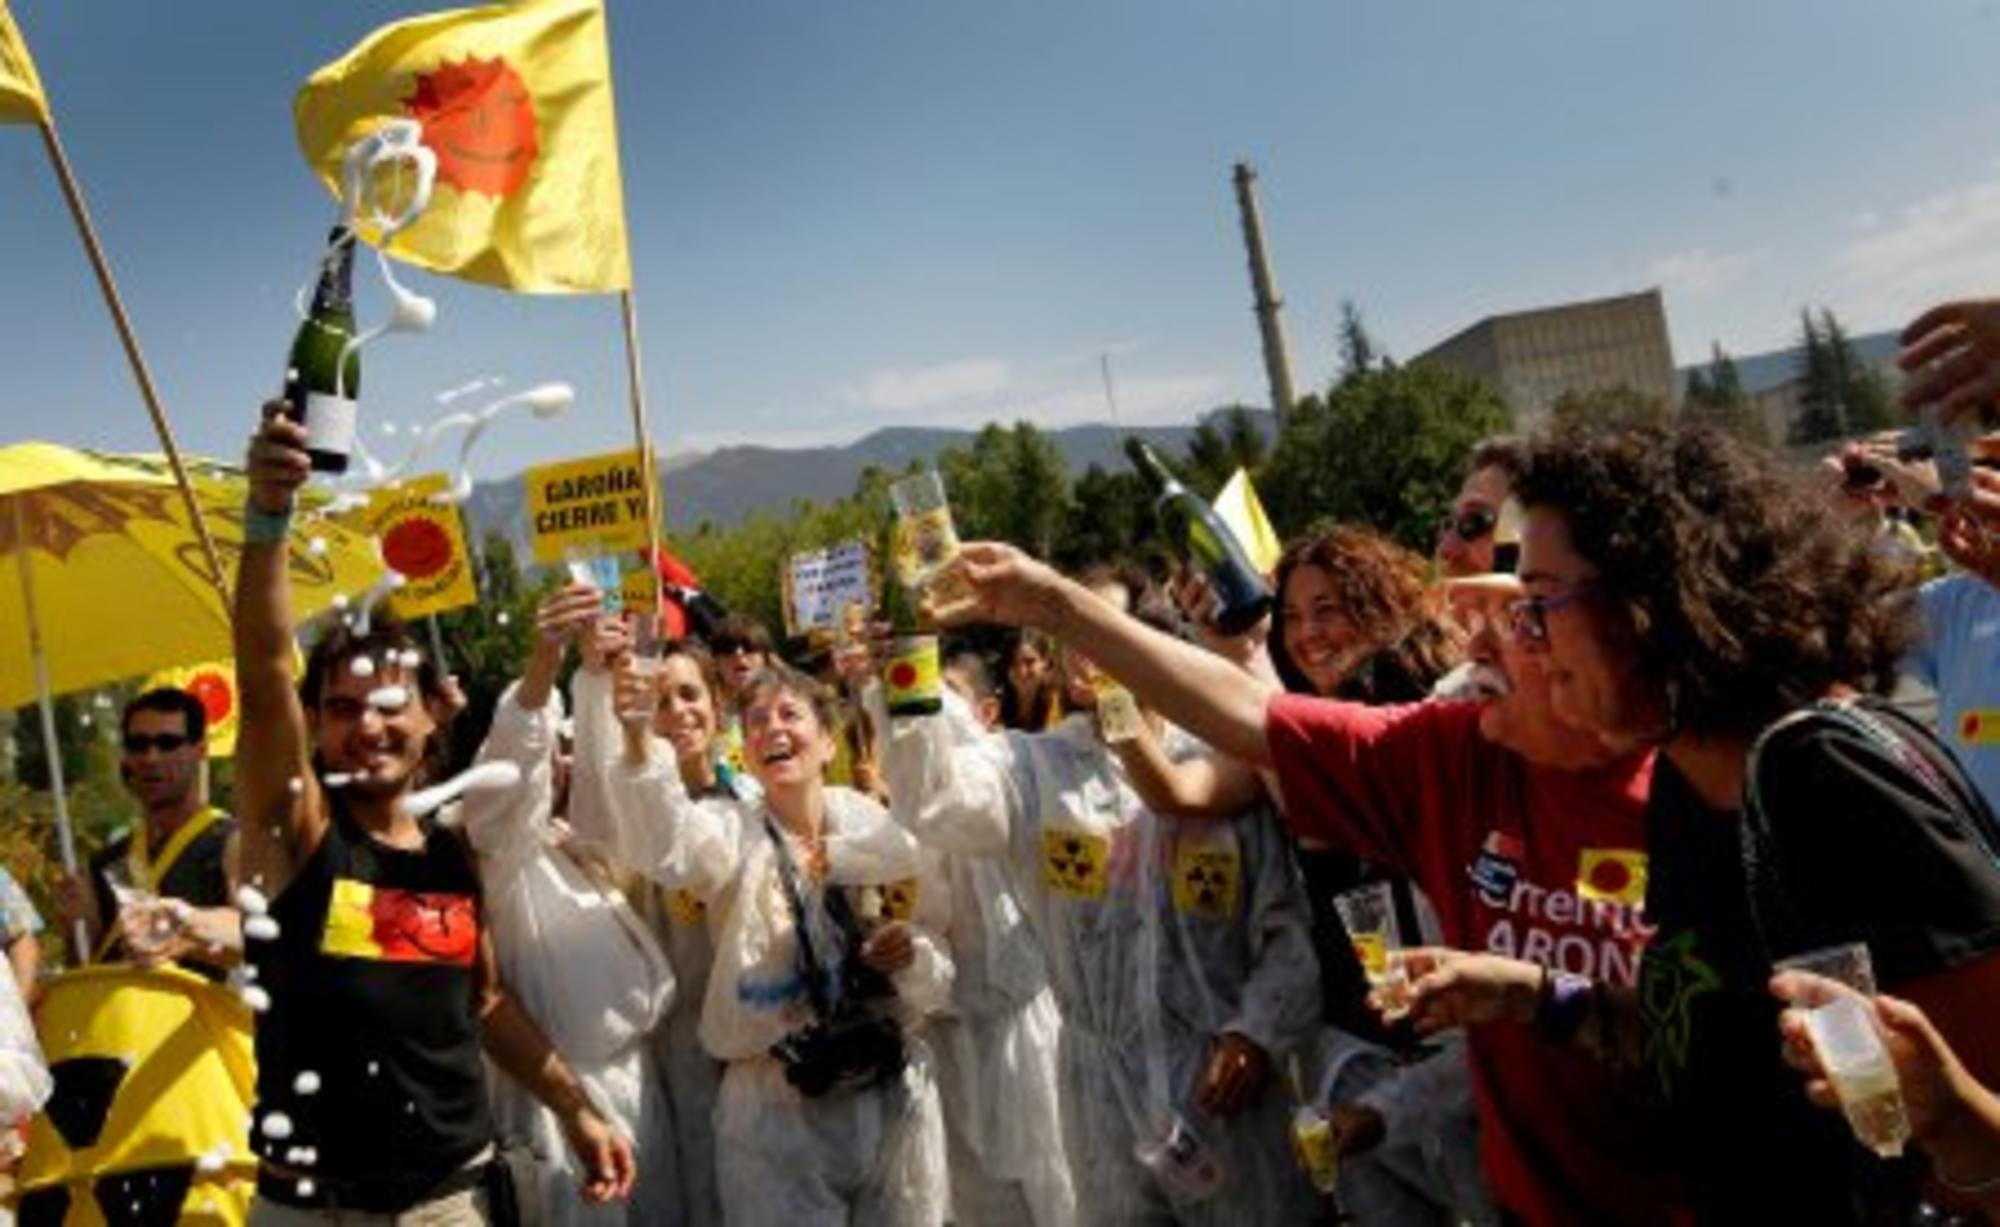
[(1566, 1000), (261, 527)]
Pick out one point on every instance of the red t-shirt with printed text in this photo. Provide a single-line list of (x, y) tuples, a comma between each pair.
[(1520, 860)]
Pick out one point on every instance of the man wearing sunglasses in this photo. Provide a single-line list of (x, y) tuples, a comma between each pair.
[(1465, 533), (173, 867)]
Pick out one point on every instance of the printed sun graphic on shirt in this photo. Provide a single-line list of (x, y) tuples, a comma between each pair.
[(1073, 863), (1612, 875), (364, 921), (899, 900), (1205, 882), (479, 119), (686, 907), (1671, 976)]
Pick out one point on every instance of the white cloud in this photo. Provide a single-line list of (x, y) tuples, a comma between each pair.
[(1940, 247), (1699, 271), (905, 390)]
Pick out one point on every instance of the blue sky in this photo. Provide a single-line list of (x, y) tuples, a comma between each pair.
[(854, 213)]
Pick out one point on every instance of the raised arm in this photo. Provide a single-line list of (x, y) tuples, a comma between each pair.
[(278, 798), (1206, 785), (663, 833), (1196, 689), (950, 782)]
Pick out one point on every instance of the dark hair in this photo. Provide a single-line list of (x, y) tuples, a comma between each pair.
[(704, 663), (169, 700), (780, 676), (1746, 599), (739, 630), (1385, 594), (341, 645), (971, 666), (1508, 453), (1046, 703)]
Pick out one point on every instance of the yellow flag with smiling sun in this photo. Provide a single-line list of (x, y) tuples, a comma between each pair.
[(21, 98), (515, 102)]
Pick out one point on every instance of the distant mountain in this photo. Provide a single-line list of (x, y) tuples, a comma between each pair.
[(727, 485), (1762, 372)]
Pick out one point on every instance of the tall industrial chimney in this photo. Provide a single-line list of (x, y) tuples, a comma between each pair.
[(1277, 363)]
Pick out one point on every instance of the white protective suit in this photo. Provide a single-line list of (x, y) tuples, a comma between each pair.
[(578, 958), (782, 1160), (997, 1050), (691, 1078), (1159, 934)]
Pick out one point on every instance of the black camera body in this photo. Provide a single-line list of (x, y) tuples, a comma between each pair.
[(855, 1045), (858, 1049)]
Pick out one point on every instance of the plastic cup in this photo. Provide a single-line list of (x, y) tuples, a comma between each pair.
[(1369, 914), (1118, 716), (1840, 1019), (1186, 1169), (926, 539), (1312, 1140), (599, 570)]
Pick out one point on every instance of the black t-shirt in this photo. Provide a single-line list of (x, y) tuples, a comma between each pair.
[(1863, 856), (371, 984), (199, 877)]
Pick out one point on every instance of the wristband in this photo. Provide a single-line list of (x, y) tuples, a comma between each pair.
[(261, 527), (1565, 1002)]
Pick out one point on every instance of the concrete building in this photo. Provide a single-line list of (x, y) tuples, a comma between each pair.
[(1532, 357)]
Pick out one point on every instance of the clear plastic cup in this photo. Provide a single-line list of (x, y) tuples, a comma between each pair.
[(1313, 1143), (601, 571), (1840, 1018), (1186, 1169), (1118, 717), (926, 539), (1369, 914)]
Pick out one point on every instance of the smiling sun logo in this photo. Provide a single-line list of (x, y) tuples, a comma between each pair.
[(479, 119)]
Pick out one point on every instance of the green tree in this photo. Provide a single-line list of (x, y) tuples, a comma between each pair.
[(1222, 443), (1600, 407), (1821, 414), (1715, 397), (1383, 447), (1864, 397), (1110, 517), (486, 645), (1358, 351), (1011, 485)]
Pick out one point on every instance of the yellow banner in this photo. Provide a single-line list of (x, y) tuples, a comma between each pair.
[(515, 101), (424, 542), (599, 503), (21, 98)]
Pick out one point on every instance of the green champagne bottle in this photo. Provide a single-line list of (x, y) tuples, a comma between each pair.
[(321, 393), (911, 678), (1201, 538)]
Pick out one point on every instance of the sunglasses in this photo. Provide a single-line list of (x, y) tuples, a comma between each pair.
[(1528, 618), (165, 743), (1472, 524)]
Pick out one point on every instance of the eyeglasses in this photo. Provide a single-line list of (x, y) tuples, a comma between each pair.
[(1528, 618), (1472, 524), (166, 743), (736, 649)]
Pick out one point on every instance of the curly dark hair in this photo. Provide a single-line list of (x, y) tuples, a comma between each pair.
[(1747, 600), (1387, 598)]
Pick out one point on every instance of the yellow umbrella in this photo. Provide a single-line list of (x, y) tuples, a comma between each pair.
[(112, 579)]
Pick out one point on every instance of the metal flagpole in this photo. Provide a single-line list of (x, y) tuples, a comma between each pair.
[(647, 470), (147, 391), (65, 840)]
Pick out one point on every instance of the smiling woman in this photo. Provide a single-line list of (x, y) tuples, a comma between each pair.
[(1686, 593)]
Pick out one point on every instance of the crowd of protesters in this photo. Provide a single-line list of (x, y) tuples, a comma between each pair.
[(708, 939)]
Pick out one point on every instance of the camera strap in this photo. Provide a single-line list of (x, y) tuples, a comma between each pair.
[(788, 874)]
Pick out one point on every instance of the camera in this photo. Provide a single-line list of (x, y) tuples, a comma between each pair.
[(856, 1050)]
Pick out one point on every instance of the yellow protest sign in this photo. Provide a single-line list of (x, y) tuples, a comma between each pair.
[(597, 503), (423, 541)]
